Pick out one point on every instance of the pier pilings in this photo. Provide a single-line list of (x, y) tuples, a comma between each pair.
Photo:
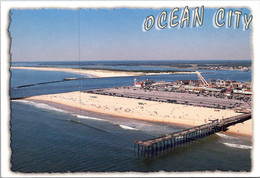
[(176, 139)]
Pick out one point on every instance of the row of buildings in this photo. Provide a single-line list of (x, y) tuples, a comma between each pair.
[(218, 88)]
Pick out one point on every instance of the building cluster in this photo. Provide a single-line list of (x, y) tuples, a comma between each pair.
[(218, 88), (226, 68)]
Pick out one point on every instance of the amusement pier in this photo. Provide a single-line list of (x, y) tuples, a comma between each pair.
[(153, 146)]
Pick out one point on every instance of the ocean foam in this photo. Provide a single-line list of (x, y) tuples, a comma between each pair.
[(87, 117), (41, 106), (127, 127), (232, 145), (226, 136)]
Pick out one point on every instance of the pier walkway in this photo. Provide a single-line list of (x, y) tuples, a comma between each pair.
[(160, 144)]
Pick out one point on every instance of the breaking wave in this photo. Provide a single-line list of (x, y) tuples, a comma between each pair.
[(226, 136), (127, 127), (232, 145), (87, 117), (41, 105)]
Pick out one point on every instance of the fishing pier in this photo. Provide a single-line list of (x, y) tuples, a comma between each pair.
[(160, 144)]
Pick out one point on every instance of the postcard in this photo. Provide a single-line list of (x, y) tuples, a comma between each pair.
[(129, 89)]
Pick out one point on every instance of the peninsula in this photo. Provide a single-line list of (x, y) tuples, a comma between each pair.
[(104, 72)]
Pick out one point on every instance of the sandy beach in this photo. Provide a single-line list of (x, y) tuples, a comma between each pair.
[(96, 73), (144, 110)]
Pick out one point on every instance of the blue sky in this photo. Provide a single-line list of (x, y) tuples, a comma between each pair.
[(116, 34)]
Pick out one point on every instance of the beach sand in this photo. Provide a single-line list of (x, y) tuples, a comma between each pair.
[(96, 73), (145, 110)]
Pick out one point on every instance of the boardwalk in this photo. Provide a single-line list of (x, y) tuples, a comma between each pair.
[(159, 144), (170, 97)]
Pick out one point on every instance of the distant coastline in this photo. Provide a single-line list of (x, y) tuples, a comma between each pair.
[(105, 72)]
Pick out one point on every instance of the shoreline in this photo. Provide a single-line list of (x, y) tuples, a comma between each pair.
[(62, 106), (97, 73), (131, 110)]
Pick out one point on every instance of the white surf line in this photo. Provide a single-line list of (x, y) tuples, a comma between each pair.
[(233, 145), (41, 105), (87, 117), (226, 136), (127, 127)]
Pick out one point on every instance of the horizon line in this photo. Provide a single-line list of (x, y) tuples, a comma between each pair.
[(132, 60)]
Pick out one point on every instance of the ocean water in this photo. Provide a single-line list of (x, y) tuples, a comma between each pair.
[(45, 138), (21, 77), (133, 63)]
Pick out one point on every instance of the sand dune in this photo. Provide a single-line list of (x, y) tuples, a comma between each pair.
[(145, 110)]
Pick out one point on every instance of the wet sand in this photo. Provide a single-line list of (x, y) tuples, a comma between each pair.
[(144, 110)]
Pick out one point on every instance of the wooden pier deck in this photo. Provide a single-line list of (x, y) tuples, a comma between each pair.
[(159, 144)]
